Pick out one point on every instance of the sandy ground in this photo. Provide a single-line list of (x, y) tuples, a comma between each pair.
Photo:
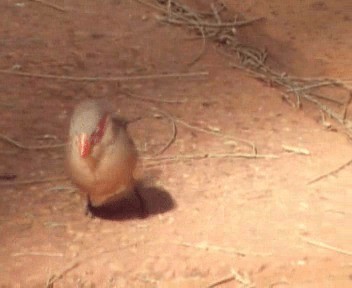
[(251, 222)]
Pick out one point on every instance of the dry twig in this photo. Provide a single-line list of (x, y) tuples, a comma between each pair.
[(105, 79), (150, 99), (34, 181), (346, 105), (297, 150), (243, 279), (75, 264), (310, 86), (209, 24), (202, 49), (326, 246), (21, 146), (56, 7), (33, 253), (211, 132), (54, 278), (174, 131), (235, 276), (191, 15), (222, 281), (272, 285), (338, 169), (185, 157), (228, 250)]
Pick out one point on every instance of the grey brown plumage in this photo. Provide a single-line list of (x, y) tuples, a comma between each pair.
[(101, 156)]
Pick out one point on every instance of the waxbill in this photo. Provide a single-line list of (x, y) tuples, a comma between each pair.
[(101, 156)]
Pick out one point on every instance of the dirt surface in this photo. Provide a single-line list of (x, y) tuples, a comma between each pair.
[(210, 219)]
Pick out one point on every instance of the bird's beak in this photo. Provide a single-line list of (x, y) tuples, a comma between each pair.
[(84, 145)]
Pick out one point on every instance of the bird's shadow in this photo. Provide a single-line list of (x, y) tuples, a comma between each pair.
[(155, 200)]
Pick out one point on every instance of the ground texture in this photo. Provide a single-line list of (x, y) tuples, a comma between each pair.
[(251, 222)]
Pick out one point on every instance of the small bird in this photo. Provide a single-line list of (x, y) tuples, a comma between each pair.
[(101, 155)]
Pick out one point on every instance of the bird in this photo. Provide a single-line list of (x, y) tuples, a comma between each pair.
[(101, 155)]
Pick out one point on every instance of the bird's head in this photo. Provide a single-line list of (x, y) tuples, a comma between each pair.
[(88, 125)]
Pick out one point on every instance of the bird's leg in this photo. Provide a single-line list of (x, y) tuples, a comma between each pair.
[(143, 213), (88, 208)]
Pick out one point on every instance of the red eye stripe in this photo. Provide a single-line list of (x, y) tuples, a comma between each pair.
[(84, 145), (98, 134)]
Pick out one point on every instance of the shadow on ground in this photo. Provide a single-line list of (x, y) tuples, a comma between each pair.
[(155, 200)]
